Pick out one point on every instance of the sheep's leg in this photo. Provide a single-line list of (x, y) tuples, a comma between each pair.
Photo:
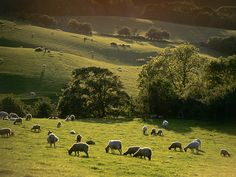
[(120, 151), (78, 153), (54, 145), (87, 154)]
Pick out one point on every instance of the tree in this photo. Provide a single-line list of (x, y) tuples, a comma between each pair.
[(157, 34), (124, 31), (93, 92), (81, 28), (43, 108)]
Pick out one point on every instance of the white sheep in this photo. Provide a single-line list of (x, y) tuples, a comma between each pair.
[(36, 127), (13, 115), (144, 129), (72, 117), (72, 132), (224, 152), (6, 132), (193, 145), (165, 124), (18, 121), (58, 124), (199, 141), (52, 139), (4, 114), (79, 147), (144, 152), (28, 117), (160, 132), (114, 145)]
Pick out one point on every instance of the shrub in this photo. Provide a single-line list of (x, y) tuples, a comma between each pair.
[(124, 31), (157, 34), (43, 108), (81, 28), (43, 20), (12, 104)]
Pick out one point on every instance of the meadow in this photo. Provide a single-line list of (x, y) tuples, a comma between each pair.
[(27, 153)]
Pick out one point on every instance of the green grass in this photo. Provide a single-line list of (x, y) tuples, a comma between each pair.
[(28, 154)]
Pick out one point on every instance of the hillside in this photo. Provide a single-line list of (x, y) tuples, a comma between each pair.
[(28, 154), (20, 71)]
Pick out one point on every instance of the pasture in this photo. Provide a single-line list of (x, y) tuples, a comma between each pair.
[(27, 153)]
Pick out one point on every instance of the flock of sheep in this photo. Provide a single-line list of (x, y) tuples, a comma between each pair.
[(135, 151)]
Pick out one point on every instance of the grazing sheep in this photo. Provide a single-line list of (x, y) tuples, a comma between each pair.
[(72, 132), (79, 147), (49, 132), (176, 145), (4, 114), (18, 121), (28, 117), (78, 138), (38, 49), (36, 127), (160, 132), (154, 132), (144, 130), (193, 145), (200, 143), (131, 150), (72, 117), (13, 115), (6, 132), (58, 124), (68, 118), (114, 145), (113, 44), (165, 124), (52, 139), (146, 152), (90, 142), (224, 152)]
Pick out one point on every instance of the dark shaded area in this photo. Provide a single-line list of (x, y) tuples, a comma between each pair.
[(12, 43)]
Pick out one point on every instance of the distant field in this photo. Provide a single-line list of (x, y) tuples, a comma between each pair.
[(28, 154)]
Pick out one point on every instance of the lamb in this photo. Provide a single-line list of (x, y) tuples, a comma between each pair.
[(58, 124), (144, 130), (200, 143), (146, 152), (114, 144), (18, 121), (193, 145), (224, 152), (52, 139), (72, 132), (72, 117), (36, 127), (79, 147), (165, 123), (175, 145), (131, 150), (28, 117), (6, 132), (153, 131), (13, 115), (78, 138), (90, 142), (160, 132), (4, 114)]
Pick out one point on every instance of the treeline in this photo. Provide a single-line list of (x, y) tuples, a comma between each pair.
[(186, 12), (178, 83)]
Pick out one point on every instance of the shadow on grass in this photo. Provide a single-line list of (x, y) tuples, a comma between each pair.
[(107, 120)]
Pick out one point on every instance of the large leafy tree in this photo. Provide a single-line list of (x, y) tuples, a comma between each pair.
[(93, 92)]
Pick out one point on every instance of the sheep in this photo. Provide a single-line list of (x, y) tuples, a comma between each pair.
[(52, 139), (153, 131), (224, 152), (193, 145), (175, 145), (146, 152), (90, 142), (4, 114), (18, 121), (28, 117), (38, 49), (68, 118), (79, 147), (72, 132), (78, 138), (36, 127), (160, 132), (6, 132), (114, 144), (131, 150), (199, 141), (58, 124), (165, 124), (13, 115), (144, 130), (72, 117), (113, 44)]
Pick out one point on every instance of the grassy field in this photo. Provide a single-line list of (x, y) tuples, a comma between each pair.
[(28, 154)]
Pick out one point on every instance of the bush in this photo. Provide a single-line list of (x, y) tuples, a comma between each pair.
[(43, 108), (43, 20), (124, 31), (157, 34), (81, 28), (12, 104)]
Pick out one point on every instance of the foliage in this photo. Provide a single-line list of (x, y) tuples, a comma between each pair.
[(43, 20), (157, 34), (81, 28), (12, 104), (43, 108), (94, 92), (124, 31)]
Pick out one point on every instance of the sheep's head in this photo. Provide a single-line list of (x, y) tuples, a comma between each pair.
[(107, 149), (185, 149), (69, 151)]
